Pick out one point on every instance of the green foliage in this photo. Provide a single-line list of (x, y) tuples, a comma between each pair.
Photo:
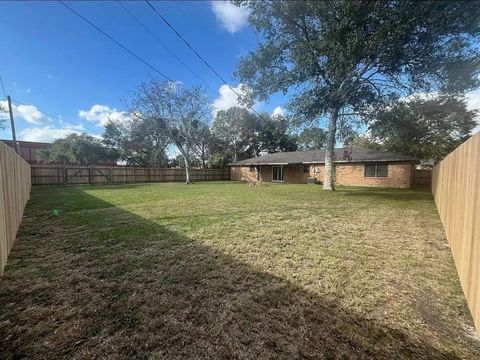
[(362, 141), (3, 116), (427, 129), (239, 134), (234, 134), (337, 57), (312, 139), (202, 146), (81, 149), (140, 141), (274, 134)]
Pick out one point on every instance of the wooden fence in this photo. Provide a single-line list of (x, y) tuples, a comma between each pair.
[(69, 175), (456, 189), (422, 178), (14, 193)]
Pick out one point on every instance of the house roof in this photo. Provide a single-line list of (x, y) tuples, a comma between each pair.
[(342, 155)]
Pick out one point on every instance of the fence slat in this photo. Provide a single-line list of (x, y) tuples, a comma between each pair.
[(456, 189), (15, 184), (74, 175)]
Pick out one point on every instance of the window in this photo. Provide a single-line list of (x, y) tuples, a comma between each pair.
[(376, 170), (277, 173), (306, 168), (252, 168)]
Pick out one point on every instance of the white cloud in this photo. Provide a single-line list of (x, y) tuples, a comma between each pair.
[(102, 114), (227, 98), (29, 113), (45, 134), (23, 91), (78, 127), (473, 103), (278, 111), (231, 17)]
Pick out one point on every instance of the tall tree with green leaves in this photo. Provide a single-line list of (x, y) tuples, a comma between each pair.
[(140, 141), (274, 134), (234, 131), (202, 147), (339, 58), (181, 110), (81, 149), (313, 138), (425, 128)]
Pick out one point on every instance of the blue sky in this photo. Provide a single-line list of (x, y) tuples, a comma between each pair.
[(53, 62)]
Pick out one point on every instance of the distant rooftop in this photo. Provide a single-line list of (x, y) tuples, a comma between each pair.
[(342, 155)]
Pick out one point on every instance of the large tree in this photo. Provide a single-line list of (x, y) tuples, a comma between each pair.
[(82, 149), (240, 134), (339, 58), (140, 141), (274, 134), (312, 139), (202, 147), (425, 128), (182, 111), (234, 131)]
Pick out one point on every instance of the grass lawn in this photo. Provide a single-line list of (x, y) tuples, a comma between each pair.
[(228, 270)]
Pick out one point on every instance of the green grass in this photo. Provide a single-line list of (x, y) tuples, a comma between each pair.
[(228, 270)]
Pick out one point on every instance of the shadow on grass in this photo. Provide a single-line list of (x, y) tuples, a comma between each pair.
[(114, 285)]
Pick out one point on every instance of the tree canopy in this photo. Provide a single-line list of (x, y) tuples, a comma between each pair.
[(140, 141), (182, 111), (425, 128), (82, 149), (339, 58), (240, 134), (312, 139)]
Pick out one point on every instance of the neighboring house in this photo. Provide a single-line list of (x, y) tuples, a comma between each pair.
[(28, 151), (353, 166)]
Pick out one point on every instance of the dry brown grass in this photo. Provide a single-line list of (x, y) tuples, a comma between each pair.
[(225, 270)]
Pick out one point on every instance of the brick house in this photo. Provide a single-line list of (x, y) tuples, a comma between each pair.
[(354, 166), (28, 149)]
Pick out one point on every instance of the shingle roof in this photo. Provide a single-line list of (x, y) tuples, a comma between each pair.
[(351, 154)]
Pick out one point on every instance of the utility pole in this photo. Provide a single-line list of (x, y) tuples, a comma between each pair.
[(12, 124)]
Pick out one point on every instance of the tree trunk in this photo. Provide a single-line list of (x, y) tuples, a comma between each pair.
[(187, 173), (328, 179), (187, 169)]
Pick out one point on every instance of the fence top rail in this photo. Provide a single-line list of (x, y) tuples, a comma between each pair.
[(36, 166)]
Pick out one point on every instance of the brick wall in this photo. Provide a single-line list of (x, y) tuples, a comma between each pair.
[(399, 174), (243, 173)]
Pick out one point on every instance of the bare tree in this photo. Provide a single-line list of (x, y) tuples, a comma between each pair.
[(183, 112)]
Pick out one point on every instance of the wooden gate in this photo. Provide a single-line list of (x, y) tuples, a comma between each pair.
[(422, 178)]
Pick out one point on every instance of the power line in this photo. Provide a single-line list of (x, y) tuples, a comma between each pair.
[(3, 86), (58, 117), (196, 53), (163, 44), (117, 42)]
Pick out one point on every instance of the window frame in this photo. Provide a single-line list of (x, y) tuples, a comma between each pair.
[(375, 172), (252, 168), (281, 172), (306, 169)]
